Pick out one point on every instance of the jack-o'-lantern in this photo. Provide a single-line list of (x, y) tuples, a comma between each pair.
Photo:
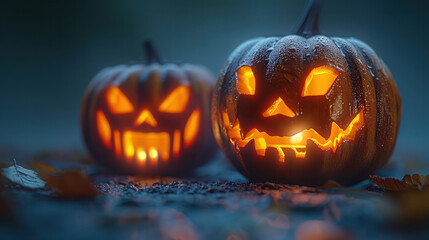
[(152, 119), (306, 108)]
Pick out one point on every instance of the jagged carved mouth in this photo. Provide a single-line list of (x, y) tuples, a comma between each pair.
[(148, 146), (297, 142)]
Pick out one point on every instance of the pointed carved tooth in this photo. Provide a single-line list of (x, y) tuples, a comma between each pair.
[(153, 156), (141, 156), (176, 146), (129, 150), (260, 146), (117, 143), (299, 154), (335, 131), (281, 154)]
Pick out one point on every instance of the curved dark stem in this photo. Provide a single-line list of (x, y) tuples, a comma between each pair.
[(151, 54), (309, 24)]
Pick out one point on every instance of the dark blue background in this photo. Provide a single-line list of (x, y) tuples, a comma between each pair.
[(50, 50)]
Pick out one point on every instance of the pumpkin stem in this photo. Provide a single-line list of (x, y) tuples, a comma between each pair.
[(151, 54), (309, 24)]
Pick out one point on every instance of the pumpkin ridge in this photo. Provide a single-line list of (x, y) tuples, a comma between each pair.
[(351, 55), (383, 135), (376, 82), (238, 55)]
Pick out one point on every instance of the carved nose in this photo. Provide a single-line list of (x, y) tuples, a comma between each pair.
[(145, 117), (279, 107)]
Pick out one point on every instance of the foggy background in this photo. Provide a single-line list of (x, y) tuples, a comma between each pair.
[(50, 50)]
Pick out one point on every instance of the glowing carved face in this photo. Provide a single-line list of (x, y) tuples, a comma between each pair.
[(136, 135), (318, 83)]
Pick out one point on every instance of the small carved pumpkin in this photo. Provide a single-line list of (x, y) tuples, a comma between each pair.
[(152, 119), (306, 108)]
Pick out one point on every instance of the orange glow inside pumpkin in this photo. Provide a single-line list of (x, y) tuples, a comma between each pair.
[(103, 128), (176, 101), (154, 145), (297, 142), (278, 107), (319, 81), (117, 143), (153, 156), (146, 117), (191, 128), (117, 102), (147, 147), (176, 143), (245, 81), (141, 156)]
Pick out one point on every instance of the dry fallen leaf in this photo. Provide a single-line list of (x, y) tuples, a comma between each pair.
[(67, 184), (410, 198), (408, 182), (417, 179), (71, 184), (22, 176)]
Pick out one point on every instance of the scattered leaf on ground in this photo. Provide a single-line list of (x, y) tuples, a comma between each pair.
[(67, 184), (22, 176), (71, 184), (416, 179), (408, 182)]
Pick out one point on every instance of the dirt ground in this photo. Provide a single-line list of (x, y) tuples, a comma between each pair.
[(216, 203)]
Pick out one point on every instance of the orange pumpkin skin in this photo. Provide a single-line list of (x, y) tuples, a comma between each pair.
[(139, 136), (363, 93)]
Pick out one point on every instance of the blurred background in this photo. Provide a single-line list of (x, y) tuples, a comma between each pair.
[(51, 49)]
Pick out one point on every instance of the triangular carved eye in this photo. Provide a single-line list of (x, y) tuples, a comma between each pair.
[(117, 102), (278, 107), (245, 81), (176, 101), (319, 81)]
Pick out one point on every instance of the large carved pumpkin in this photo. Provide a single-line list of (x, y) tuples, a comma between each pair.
[(306, 108), (152, 119)]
